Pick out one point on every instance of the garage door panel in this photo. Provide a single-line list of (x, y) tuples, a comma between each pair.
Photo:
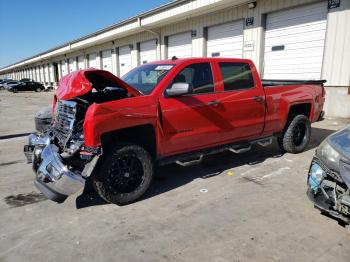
[(225, 40), (298, 46), (307, 52), (148, 51), (107, 60), (305, 13), (81, 64), (124, 60), (293, 61), (180, 45), (319, 25), (312, 33), (92, 60), (72, 64), (300, 34), (214, 33)]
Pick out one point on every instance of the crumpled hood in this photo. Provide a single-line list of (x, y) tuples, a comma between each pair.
[(81, 82)]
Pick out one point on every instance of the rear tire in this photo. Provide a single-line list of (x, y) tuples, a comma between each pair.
[(296, 136), (124, 175)]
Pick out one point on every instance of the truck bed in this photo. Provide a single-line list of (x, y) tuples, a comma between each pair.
[(283, 82)]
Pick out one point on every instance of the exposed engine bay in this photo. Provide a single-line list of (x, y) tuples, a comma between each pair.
[(58, 154), (66, 130)]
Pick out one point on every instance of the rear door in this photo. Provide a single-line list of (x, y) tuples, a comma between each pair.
[(189, 121), (241, 101)]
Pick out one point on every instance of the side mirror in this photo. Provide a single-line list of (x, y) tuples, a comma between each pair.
[(178, 89)]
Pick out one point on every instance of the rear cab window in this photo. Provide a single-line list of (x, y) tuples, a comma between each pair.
[(236, 76)]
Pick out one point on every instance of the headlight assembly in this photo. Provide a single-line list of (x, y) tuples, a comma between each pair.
[(328, 155), (316, 175)]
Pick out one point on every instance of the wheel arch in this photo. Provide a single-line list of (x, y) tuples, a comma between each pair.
[(142, 135), (300, 109)]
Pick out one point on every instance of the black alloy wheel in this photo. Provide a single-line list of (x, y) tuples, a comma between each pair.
[(123, 174)]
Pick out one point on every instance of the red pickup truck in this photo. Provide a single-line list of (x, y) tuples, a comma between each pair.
[(116, 131)]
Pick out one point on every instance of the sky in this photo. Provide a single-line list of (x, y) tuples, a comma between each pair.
[(28, 27)]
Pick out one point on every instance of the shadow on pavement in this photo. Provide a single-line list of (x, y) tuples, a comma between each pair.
[(173, 176)]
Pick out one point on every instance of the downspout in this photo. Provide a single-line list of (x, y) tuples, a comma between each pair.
[(158, 35)]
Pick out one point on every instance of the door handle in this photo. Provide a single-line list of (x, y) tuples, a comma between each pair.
[(214, 103), (258, 98)]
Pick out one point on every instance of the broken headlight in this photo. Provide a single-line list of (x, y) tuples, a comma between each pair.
[(328, 155)]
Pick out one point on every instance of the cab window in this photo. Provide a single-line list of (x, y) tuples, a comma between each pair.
[(236, 76), (198, 76)]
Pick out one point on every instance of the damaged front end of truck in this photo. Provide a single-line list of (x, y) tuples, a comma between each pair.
[(59, 156)]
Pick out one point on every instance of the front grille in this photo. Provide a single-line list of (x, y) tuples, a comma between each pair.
[(64, 119)]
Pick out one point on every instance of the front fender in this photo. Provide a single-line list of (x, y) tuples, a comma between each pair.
[(116, 115)]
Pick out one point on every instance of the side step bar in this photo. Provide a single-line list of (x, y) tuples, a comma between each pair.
[(240, 150), (194, 158), (191, 162)]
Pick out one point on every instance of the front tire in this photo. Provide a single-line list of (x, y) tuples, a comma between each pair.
[(125, 173), (296, 136)]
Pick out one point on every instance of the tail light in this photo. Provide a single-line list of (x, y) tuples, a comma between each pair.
[(323, 91)]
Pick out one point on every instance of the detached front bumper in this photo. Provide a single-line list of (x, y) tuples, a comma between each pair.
[(53, 178)]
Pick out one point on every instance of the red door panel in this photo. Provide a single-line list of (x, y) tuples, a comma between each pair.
[(245, 111), (189, 123)]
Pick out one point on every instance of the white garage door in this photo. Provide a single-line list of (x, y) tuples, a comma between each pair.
[(46, 70), (124, 60), (180, 45), (294, 42), (148, 51), (81, 64), (64, 67), (42, 79), (225, 40), (72, 64), (92, 60), (107, 60)]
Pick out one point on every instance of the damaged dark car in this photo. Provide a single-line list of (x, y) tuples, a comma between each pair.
[(329, 176)]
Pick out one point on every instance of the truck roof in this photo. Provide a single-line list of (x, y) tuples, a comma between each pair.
[(176, 61)]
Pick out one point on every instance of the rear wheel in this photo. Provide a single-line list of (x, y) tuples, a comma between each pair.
[(14, 90), (124, 174), (296, 136), (38, 89)]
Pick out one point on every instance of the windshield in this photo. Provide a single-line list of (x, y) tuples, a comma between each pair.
[(341, 141), (145, 78)]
